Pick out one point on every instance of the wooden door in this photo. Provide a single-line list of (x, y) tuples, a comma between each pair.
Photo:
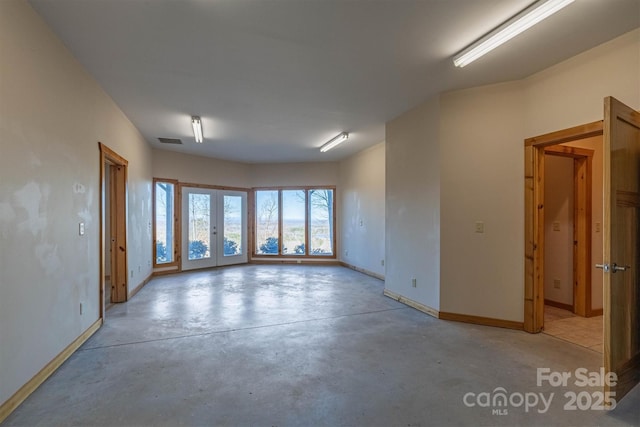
[(116, 191), (621, 245), (118, 230)]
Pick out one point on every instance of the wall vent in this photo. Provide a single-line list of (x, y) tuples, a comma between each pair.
[(170, 140)]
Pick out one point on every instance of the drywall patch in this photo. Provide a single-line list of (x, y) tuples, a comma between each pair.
[(47, 255), (30, 198)]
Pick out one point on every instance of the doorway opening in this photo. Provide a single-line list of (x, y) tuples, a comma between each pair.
[(562, 231), (113, 230), (214, 227), (573, 242)]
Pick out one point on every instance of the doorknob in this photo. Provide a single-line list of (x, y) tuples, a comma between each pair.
[(613, 268), (616, 267)]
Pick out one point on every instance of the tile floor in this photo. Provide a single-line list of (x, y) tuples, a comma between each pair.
[(583, 331)]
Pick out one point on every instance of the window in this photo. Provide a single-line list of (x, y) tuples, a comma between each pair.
[(321, 221), (295, 222), (267, 225), (164, 212), (232, 225)]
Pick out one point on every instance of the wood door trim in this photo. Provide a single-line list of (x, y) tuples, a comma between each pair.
[(107, 155), (534, 214), (566, 135)]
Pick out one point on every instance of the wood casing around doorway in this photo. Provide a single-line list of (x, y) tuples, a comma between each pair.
[(534, 218)]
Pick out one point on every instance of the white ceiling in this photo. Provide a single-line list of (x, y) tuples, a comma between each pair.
[(275, 79)]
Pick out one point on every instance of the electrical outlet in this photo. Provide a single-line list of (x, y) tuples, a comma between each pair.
[(132, 274), (479, 227), (382, 262), (81, 309), (556, 225), (81, 228), (414, 282), (556, 283), (346, 253)]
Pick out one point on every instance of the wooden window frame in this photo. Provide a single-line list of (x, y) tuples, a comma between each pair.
[(280, 255), (176, 224)]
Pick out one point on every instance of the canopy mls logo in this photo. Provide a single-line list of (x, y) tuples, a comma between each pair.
[(499, 401)]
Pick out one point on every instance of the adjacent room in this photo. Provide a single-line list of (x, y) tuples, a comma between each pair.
[(319, 213)]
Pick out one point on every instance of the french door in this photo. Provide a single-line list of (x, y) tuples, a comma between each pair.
[(214, 227)]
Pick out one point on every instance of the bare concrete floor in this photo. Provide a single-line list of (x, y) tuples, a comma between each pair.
[(307, 346)]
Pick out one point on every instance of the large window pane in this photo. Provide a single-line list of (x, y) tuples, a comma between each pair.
[(267, 222), (199, 226), (232, 225), (293, 222), (165, 195), (321, 222)]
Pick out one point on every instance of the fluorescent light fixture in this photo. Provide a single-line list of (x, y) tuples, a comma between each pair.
[(196, 124), (511, 28), (333, 142)]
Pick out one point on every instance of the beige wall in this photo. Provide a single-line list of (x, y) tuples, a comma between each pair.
[(480, 147), (296, 174), (558, 230), (200, 170), (52, 115), (571, 93), (412, 205), (361, 196)]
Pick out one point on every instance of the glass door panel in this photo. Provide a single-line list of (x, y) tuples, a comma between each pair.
[(199, 246), (233, 224)]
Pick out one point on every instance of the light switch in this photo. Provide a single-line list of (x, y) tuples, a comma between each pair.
[(81, 228), (479, 227), (556, 225)]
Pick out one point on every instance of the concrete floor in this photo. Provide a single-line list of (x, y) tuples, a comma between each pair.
[(297, 345)]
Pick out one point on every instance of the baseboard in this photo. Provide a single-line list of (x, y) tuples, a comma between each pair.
[(594, 313), (411, 303), (263, 261), (479, 320), (19, 396), (363, 270), (561, 305), (140, 286)]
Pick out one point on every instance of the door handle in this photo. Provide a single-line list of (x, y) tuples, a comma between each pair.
[(613, 267)]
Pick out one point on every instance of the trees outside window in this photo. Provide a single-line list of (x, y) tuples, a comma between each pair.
[(295, 222)]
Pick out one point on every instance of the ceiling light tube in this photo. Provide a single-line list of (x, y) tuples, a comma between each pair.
[(196, 124), (334, 142), (511, 28)]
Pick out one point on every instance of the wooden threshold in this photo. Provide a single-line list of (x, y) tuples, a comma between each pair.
[(19, 396), (556, 304)]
